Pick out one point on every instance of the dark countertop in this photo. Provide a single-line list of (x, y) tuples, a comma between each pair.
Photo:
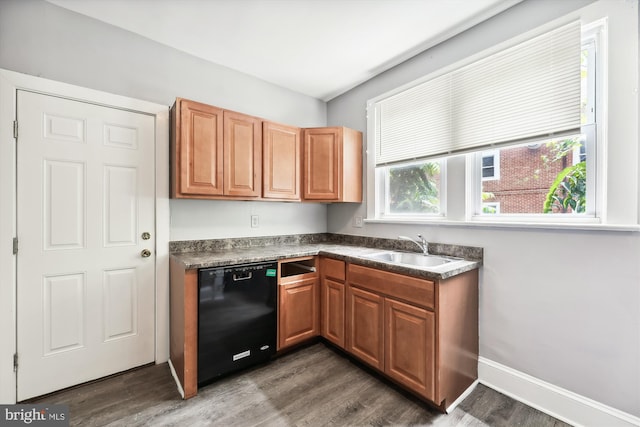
[(349, 253)]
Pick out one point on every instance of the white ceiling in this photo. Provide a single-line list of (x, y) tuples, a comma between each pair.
[(320, 48)]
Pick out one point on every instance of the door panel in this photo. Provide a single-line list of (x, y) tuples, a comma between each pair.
[(64, 201), (85, 296), (120, 294), (64, 308), (120, 207), (61, 128)]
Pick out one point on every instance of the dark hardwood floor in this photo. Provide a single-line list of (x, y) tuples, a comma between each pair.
[(314, 386)]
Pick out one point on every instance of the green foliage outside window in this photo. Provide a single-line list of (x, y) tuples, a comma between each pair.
[(568, 193), (414, 188)]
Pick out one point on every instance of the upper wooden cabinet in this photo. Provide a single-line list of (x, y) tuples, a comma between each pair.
[(332, 165), (214, 153), (281, 163), (196, 150), (242, 155), (221, 154)]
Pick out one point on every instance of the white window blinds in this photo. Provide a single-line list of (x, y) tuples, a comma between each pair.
[(529, 91)]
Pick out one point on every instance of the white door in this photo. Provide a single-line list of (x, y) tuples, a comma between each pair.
[(85, 292)]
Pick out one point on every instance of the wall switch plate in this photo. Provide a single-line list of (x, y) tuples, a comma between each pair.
[(357, 221), (255, 221)]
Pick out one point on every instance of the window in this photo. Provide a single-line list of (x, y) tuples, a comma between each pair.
[(530, 174), (579, 153), (517, 131), (491, 208), (411, 189), (550, 176), (490, 165)]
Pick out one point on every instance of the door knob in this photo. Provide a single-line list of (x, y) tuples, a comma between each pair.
[(146, 236), (146, 253)]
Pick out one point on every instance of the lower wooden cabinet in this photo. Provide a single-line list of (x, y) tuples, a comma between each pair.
[(333, 307), (420, 333), (410, 346), (332, 300), (365, 332), (298, 302), (394, 337)]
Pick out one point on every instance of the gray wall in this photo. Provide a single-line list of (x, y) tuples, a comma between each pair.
[(562, 306), (42, 39)]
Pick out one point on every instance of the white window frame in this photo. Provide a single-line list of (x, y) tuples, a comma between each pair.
[(592, 35), (496, 165)]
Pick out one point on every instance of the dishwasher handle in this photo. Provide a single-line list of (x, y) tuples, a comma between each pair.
[(243, 276)]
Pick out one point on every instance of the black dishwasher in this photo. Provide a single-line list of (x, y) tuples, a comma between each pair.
[(237, 322)]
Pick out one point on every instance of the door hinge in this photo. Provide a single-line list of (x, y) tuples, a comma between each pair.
[(15, 129), (15, 245), (15, 362)]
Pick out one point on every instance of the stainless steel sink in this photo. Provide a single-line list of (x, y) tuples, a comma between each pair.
[(410, 258)]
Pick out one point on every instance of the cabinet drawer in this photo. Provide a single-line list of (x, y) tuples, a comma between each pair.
[(411, 289), (333, 268), (294, 270)]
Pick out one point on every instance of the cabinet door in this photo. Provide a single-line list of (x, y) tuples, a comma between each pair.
[(242, 155), (281, 161), (365, 336), (410, 346), (298, 318), (322, 163), (333, 311), (198, 149)]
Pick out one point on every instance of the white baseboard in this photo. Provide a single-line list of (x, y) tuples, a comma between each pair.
[(175, 377), (462, 397), (562, 404)]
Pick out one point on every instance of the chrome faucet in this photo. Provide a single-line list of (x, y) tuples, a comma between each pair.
[(423, 245)]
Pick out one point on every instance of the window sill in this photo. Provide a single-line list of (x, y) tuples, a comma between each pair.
[(509, 224)]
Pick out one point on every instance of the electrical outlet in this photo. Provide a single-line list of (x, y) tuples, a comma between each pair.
[(357, 221), (255, 221)]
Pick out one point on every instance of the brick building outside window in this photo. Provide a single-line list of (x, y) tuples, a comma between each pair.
[(516, 180)]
